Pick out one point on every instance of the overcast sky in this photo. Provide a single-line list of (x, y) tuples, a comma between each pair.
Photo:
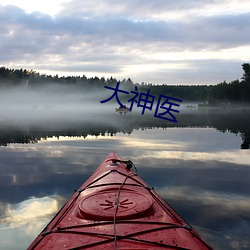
[(157, 41)]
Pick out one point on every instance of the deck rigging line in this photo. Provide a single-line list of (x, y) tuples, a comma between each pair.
[(115, 237), (129, 164)]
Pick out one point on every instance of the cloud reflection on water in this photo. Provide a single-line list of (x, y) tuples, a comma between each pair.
[(29, 211), (21, 222), (208, 185), (234, 156)]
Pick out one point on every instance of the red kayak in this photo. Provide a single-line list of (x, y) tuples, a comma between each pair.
[(116, 209)]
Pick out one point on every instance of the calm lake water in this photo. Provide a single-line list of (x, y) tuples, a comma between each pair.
[(199, 165)]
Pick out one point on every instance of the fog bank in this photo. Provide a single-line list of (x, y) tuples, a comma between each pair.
[(53, 102)]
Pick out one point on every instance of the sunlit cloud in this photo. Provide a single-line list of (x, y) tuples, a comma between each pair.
[(149, 145), (236, 157), (45, 6), (29, 212), (21, 223), (188, 56)]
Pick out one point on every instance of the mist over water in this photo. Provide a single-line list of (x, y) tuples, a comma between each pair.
[(53, 103), (30, 114)]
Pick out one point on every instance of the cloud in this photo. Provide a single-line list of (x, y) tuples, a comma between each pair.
[(144, 10), (229, 204), (113, 38), (26, 220), (29, 210)]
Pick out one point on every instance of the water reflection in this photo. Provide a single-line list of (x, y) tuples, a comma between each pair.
[(110, 123), (21, 221), (33, 209), (199, 170)]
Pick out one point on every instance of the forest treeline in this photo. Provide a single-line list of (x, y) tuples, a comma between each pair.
[(230, 121), (236, 91)]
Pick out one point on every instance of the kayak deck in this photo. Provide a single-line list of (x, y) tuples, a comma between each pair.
[(116, 209)]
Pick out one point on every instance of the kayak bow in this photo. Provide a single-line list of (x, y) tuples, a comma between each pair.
[(116, 209)]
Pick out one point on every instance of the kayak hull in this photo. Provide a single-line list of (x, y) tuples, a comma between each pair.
[(116, 209)]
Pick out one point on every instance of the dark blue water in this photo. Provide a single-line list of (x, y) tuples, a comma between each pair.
[(197, 165)]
